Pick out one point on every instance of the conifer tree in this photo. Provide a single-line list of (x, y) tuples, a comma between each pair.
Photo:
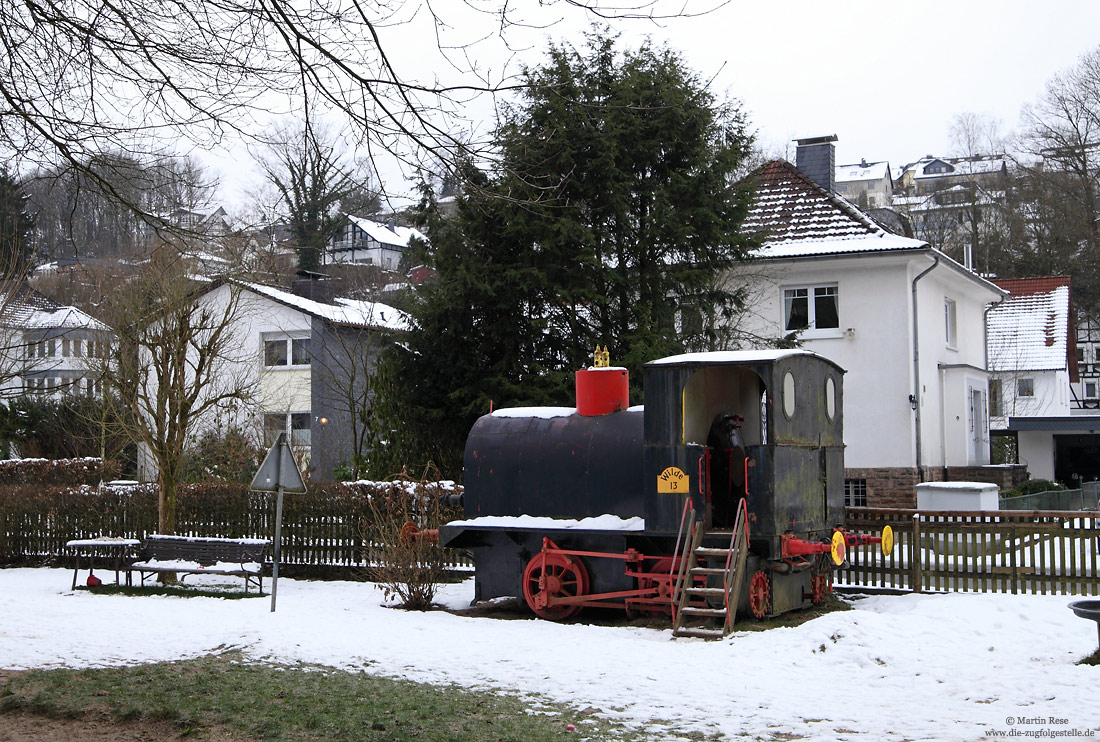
[(611, 217), (16, 228)]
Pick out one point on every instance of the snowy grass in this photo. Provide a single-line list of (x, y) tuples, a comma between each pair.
[(293, 703), (893, 668)]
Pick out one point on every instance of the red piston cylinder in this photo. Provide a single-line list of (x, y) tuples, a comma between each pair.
[(602, 390)]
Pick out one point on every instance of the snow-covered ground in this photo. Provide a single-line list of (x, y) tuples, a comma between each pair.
[(928, 667)]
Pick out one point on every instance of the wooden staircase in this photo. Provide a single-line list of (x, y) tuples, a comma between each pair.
[(694, 593)]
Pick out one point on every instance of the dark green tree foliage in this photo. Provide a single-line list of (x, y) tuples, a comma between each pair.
[(610, 218), (70, 426), (223, 455), (16, 227)]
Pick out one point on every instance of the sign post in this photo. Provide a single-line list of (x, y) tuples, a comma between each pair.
[(278, 473)]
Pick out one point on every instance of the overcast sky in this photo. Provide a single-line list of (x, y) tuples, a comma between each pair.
[(886, 77)]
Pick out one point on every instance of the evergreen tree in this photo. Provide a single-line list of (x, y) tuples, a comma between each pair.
[(16, 228), (610, 218)]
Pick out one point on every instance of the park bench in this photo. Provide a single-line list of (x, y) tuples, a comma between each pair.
[(184, 555)]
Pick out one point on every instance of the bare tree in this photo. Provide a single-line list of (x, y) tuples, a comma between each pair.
[(983, 197), (84, 79), (1060, 160), (176, 362), (311, 176)]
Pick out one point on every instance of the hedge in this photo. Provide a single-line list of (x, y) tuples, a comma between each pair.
[(65, 472)]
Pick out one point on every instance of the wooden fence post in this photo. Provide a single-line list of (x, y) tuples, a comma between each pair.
[(1012, 560), (916, 554)]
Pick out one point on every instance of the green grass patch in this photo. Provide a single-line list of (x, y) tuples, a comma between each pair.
[(268, 702)]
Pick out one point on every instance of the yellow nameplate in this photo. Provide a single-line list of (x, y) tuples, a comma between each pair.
[(672, 480)]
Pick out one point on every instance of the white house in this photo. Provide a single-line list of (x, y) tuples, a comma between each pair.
[(868, 184), (305, 356), (48, 349), (906, 321), (1033, 353), (373, 243)]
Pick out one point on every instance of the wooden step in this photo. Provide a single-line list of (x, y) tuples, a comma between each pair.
[(708, 570), (698, 632), (706, 551), (710, 612), (706, 591)]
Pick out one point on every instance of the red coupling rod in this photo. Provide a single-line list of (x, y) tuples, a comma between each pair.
[(861, 539)]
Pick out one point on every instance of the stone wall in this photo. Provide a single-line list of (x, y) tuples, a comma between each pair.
[(895, 487)]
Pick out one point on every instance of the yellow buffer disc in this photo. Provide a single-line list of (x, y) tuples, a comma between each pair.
[(838, 548), (887, 544)]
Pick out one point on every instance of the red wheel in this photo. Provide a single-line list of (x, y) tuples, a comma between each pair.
[(760, 593), (553, 575), (662, 585)]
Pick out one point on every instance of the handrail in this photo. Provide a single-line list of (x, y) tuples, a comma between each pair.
[(741, 523), (688, 539)]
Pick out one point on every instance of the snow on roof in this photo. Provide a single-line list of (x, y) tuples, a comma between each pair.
[(1030, 330), (396, 237), (531, 522), (64, 318), (957, 166), (372, 314), (797, 218), (862, 171), (732, 356), (25, 308), (541, 412)]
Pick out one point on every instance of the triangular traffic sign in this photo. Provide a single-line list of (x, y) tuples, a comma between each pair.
[(279, 470)]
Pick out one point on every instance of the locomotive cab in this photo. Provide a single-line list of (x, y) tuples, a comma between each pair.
[(764, 425)]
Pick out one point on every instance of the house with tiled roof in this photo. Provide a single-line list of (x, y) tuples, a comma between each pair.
[(930, 174), (904, 320), (307, 356), (1035, 384)]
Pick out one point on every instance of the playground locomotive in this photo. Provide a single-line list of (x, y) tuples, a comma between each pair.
[(723, 495)]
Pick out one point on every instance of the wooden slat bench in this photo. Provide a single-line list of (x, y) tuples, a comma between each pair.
[(240, 557)]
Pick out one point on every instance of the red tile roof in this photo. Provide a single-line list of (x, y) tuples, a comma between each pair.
[(795, 214), (1026, 286), (1033, 329)]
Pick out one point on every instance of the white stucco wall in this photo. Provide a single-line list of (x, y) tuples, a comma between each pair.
[(874, 344), (878, 430), (1051, 397), (949, 373), (1036, 451), (242, 367)]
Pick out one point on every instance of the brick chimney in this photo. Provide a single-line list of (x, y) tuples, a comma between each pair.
[(316, 286), (816, 158)]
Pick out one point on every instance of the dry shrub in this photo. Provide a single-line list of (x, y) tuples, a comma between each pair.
[(406, 560)]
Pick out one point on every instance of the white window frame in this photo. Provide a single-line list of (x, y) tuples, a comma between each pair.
[(289, 341), (811, 330), (1025, 386), (951, 323), (298, 437)]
